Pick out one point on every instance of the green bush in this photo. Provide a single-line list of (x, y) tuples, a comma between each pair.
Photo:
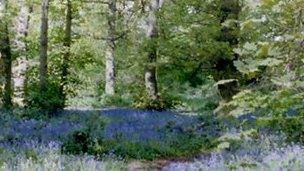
[(48, 100), (278, 111), (291, 127), (80, 142), (88, 139), (163, 102), (34, 113), (182, 146), (115, 100)]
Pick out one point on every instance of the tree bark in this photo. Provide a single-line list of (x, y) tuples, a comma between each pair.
[(110, 49), (43, 45), (152, 33), (67, 49), (20, 66), (2, 77), (5, 50)]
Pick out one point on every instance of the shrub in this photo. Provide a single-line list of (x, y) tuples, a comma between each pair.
[(276, 111), (163, 102), (49, 100), (88, 139), (181, 146), (292, 127), (115, 100)]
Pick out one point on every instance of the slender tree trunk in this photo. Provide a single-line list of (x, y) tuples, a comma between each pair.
[(110, 57), (5, 50), (152, 33), (66, 55), (2, 76), (25, 87), (43, 45), (20, 66)]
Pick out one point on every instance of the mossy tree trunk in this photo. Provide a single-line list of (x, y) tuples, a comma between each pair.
[(110, 49), (66, 55)]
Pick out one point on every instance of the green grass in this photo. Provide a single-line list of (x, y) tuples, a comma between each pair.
[(182, 146)]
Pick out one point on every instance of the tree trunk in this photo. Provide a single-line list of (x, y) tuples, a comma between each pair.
[(1, 78), (66, 55), (110, 57), (20, 66), (152, 33), (43, 45), (5, 50)]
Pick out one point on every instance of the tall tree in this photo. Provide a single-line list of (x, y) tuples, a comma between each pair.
[(110, 49), (43, 44), (152, 34), (66, 55), (6, 55), (20, 66)]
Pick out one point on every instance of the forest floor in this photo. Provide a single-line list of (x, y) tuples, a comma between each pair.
[(35, 143), (130, 124), (121, 123)]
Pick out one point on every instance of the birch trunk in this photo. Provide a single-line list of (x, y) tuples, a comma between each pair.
[(110, 57), (152, 33), (20, 66)]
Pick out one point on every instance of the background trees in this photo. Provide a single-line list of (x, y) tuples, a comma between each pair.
[(233, 68), (145, 48), (146, 53)]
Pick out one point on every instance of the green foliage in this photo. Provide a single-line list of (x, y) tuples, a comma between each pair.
[(179, 147), (278, 111), (78, 143), (291, 127), (48, 100), (163, 102), (270, 59), (88, 139), (31, 154), (201, 99), (189, 47), (116, 100), (258, 47)]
